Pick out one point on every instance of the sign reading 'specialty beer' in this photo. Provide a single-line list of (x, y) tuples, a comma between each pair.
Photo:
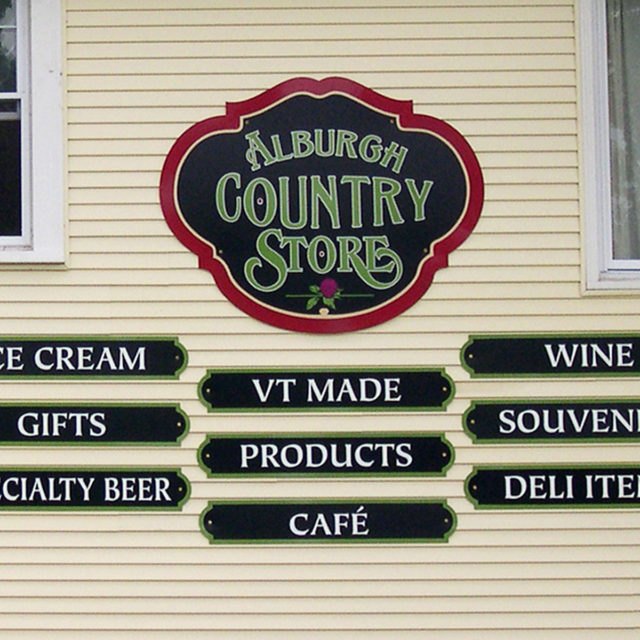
[(322, 206)]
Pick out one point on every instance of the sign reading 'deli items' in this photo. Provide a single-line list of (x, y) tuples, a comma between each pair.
[(553, 355), (322, 206), (325, 454), (553, 421), (564, 486), (51, 424), (325, 389), (343, 521), (122, 357), (70, 489)]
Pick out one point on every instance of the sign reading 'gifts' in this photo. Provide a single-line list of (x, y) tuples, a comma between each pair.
[(322, 206)]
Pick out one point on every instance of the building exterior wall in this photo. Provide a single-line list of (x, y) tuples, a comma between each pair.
[(504, 73)]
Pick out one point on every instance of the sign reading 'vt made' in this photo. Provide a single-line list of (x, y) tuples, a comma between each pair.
[(325, 390), (322, 206)]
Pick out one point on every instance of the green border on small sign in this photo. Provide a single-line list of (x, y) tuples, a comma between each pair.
[(550, 506), (550, 336), (97, 338), (323, 408), (98, 442), (329, 541), (310, 474), (72, 469)]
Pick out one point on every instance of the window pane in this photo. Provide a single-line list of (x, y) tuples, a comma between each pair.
[(623, 27), (10, 182), (7, 46)]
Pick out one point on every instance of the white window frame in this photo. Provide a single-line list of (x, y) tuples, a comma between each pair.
[(601, 271), (43, 170)]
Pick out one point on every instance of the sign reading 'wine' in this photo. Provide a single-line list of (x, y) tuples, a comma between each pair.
[(322, 206), (325, 454), (338, 521), (325, 389), (553, 355)]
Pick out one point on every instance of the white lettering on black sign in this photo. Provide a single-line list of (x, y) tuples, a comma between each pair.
[(80, 488), (553, 420), (344, 454), (616, 486), (328, 521), (126, 357), (583, 355), (279, 390)]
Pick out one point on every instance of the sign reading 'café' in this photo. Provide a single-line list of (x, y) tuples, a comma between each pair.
[(322, 206)]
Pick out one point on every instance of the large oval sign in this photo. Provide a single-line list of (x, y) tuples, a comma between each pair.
[(322, 206)]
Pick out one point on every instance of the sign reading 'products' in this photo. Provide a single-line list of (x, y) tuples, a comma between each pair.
[(325, 454), (322, 206)]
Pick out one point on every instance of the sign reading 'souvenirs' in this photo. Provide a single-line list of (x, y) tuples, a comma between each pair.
[(322, 206)]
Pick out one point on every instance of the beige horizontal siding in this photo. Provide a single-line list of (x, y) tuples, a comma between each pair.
[(137, 75)]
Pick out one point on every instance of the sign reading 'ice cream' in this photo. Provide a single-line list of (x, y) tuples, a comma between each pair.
[(322, 206)]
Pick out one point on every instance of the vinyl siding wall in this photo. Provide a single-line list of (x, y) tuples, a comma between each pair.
[(503, 72)]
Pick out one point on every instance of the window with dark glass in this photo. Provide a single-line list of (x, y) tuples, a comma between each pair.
[(623, 56), (10, 124)]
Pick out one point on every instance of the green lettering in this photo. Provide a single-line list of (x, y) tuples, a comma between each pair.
[(355, 183), (256, 146), (328, 197), (221, 203), (370, 152), (384, 192), (270, 202), (419, 197), (271, 257), (393, 151), (316, 252), (301, 143), (346, 141), (377, 253)]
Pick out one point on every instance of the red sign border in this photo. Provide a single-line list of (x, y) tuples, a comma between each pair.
[(406, 118)]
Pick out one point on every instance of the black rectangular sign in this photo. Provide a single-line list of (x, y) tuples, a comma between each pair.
[(554, 487), (358, 389), (71, 489), (85, 357), (552, 355), (328, 521), (554, 421), (52, 424), (325, 454)]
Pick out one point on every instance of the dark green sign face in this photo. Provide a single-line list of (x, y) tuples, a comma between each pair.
[(322, 206), (325, 454), (51, 424), (338, 521), (553, 421), (553, 355), (554, 487), (336, 389), (70, 489), (87, 357)]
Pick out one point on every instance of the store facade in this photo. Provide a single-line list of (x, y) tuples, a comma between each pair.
[(319, 321)]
